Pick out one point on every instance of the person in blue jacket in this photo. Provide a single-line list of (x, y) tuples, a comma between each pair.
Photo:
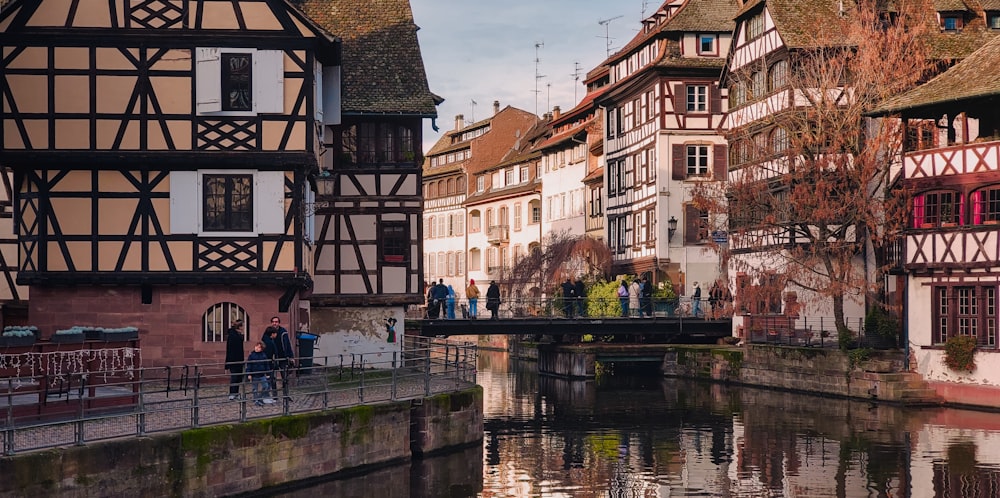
[(451, 303), (258, 370)]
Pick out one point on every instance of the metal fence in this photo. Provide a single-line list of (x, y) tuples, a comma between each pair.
[(812, 331), (590, 307), (75, 408)]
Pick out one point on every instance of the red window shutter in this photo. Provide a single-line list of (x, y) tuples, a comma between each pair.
[(678, 163), (719, 162), (715, 99), (680, 99)]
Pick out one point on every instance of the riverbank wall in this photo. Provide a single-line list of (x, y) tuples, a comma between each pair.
[(872, 375), (249, 457)]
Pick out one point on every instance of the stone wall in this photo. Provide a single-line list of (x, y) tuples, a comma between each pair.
[(815, 370), (233, 459)]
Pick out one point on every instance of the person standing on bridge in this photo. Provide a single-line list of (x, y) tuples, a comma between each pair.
[(568, 295), (634, 292), (646, 298), (581, 294), (696, 301), (472, 293), (623, 298), (450, 300), (493, 299)]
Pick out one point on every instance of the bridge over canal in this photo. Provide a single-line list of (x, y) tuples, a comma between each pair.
[(655, 329)]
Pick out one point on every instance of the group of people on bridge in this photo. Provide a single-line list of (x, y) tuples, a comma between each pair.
[(441, 300)]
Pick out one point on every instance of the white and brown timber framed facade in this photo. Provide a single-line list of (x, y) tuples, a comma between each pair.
[(369, 204), (160, 156), (950, 257), (662, 111)]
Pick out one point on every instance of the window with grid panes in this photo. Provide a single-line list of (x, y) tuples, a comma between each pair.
[(697, 98)]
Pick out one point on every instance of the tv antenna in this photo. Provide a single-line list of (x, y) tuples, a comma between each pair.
[(576, 79), (607, 32), (474, 104), (538, 76)]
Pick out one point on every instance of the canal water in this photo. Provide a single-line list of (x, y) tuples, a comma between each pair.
[(632, 433)]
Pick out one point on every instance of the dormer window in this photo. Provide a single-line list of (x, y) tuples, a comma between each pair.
[(707, 45), (993, 20), (951, 22)]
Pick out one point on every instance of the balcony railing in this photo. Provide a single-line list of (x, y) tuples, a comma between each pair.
[(498, 234)]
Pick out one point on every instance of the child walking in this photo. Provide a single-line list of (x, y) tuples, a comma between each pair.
[(258, 369)]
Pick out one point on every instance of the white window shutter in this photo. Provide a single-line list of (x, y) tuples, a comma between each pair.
[(208, 80), (269, 81), (185, 202), (318, 91), (331, 95), (270, 204)]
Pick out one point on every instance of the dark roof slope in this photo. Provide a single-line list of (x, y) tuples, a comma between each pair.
[(704, 16), (383, 71), (976, 76)]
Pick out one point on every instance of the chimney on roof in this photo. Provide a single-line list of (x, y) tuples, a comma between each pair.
[(496, 107), (556, 112), (459, 122)]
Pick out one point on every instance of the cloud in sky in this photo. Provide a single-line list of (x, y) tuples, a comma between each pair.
[(484, 51)]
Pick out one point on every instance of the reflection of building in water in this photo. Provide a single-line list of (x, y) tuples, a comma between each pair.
[(962, 460)]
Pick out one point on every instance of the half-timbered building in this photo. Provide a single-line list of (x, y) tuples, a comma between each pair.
[(662, 110), (951, 255), (161, 153), (770, 71), (367, 266)]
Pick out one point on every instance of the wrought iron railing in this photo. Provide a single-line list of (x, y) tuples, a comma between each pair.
[(73, 409)]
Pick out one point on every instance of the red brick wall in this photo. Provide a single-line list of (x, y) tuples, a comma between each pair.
[(170, 328)]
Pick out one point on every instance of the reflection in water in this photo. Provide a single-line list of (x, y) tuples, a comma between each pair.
[(635, 434)]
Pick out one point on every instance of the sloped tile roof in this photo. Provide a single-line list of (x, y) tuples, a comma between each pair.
[(383, 70), (704, 15), (990, 4), (975, 77), (950, 6)]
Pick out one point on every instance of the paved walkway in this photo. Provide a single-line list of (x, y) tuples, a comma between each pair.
[(164, 411)]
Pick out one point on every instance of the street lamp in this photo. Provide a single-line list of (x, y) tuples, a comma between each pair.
[(671, 227)]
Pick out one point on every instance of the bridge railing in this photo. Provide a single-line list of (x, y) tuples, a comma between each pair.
[(143, 401), (588, 307)]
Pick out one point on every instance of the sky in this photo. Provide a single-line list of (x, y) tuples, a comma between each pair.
[(481, 51)]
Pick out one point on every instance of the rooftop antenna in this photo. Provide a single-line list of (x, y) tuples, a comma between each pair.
[(607, 33), (548, 93), (576, 79), (538, 76), (644, 5), (473, 113)]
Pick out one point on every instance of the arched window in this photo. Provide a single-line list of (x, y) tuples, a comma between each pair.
[(757, 90), (432, 226), (475, 221), (737, 94), (451, 186), (461, 185), (777, 75), (219, 318), (986, 206), (779, 140), (432, 190)]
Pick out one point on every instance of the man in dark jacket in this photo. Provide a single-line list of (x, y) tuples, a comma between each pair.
[(493, 299), (568, 295), (440, 294), (284, 355), (234, 357), (646, 298), (581, 294)]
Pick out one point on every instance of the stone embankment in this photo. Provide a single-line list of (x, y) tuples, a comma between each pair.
[(826, 371), (241, 458)]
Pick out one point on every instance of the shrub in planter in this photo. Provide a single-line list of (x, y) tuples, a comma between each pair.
[(72, 334), (18, 336), (119, 334), (960, 353)]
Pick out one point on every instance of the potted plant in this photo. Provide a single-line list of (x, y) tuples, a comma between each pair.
[(18, 336), (70, 335), (960, 353), (119, 334)]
